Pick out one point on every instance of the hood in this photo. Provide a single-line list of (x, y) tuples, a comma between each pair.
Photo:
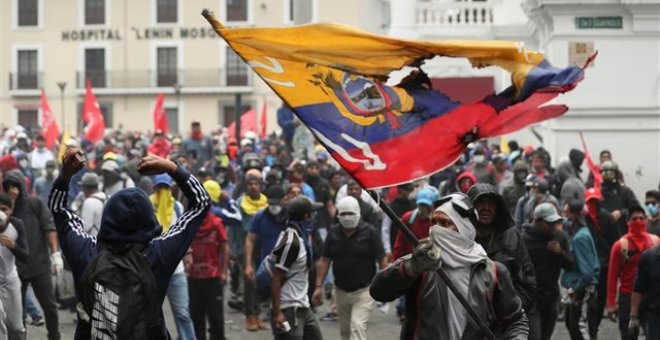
[(465, 174), (503, 219), (16, 177), (8, 163), (565, 170), (124, 219)]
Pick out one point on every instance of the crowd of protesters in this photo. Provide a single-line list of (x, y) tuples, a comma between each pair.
[(506, 227)]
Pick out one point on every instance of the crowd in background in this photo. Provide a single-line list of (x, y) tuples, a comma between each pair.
[(517, 193)]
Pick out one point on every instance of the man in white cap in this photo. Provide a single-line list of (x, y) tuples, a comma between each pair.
[(91, 209), (353, 247), (113, 179), (432, 310)]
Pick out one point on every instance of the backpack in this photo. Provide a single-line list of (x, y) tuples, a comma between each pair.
[(119, 296), (625, 253)]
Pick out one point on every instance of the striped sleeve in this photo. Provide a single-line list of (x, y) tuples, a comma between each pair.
[(65, 219), (286, 250), (78, 247)]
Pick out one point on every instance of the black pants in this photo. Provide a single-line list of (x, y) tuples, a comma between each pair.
[(42, 285), (206, 302), (624, 317), (542, 320), (601, 296), (303, 325), (574, 313)]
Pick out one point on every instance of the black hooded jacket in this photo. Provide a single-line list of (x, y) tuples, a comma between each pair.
[(38, 223), (506, 246)]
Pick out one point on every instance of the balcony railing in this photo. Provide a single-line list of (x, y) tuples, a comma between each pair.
[(450, 13), (25, 81), (151, 78)]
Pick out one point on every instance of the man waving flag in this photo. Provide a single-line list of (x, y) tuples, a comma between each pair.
[(333, 76)]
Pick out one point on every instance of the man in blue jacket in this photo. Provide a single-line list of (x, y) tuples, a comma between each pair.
[(580, 281), (127, 221)]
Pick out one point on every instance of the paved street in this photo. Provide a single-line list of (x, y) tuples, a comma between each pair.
[(381, 327)]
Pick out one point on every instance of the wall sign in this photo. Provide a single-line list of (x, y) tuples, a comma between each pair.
[(139, 33), (599, 22)]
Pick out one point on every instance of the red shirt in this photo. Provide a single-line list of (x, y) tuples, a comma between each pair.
[(420, 227), (206, 246), (623, 271)]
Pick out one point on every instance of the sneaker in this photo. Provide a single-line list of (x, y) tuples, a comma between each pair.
[(38, 321), (329, 317)]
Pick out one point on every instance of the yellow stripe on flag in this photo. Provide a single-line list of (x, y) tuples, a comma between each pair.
[(62, 149), (504, 145)]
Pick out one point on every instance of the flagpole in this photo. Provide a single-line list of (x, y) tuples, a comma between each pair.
[(62, 85), (450, 284)]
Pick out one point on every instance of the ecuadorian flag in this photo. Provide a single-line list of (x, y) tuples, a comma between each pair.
[(333, 76)]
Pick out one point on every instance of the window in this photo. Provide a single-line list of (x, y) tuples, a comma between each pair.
[(227, 115), (167, 66), (237, 70), (95, 66), (172, 119), (237, 10), (94, 12), (166, 11), (28, 118), (27, 73), (106, 110), (28, 13), (300, 11)]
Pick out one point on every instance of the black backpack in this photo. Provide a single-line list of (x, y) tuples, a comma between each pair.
[(119, 296)]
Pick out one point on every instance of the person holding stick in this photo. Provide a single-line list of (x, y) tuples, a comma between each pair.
[(432, 310)]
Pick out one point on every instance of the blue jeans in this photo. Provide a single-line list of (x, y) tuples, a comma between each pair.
[(31, 305), (177, 294)]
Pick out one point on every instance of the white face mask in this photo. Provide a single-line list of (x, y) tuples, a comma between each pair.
[(275, 209), (3, 218), (349, 221), (479, 158)]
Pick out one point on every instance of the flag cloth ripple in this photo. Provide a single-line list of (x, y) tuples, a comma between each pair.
[(333, 77)]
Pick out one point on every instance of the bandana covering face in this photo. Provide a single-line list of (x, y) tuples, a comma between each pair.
[(457, 249), (637, 234), (164, 207), (458, 252), (251, 206)]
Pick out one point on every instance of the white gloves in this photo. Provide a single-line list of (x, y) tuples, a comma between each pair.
[(57, 264)]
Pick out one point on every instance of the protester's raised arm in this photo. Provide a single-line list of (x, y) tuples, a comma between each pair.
[(77, 246)]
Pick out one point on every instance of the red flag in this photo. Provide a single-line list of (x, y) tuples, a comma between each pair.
[(92, 116), (49, 128), (595, 169), (160, 116), (264, 120), (248, 123)]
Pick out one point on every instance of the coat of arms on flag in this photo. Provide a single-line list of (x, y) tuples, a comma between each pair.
[(333, 77)]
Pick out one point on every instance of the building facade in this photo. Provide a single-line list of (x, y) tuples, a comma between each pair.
[(132, 50), (616, 107)]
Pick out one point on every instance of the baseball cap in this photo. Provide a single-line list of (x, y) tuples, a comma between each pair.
[(110, 165), (275, 193), (593, 193), (547, 212), (427, 196), (89, 179), (163, 179)]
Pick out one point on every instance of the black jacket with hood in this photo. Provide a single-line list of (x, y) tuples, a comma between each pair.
[(490, 293), (505, 245), (128, 218), (38, 223)]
